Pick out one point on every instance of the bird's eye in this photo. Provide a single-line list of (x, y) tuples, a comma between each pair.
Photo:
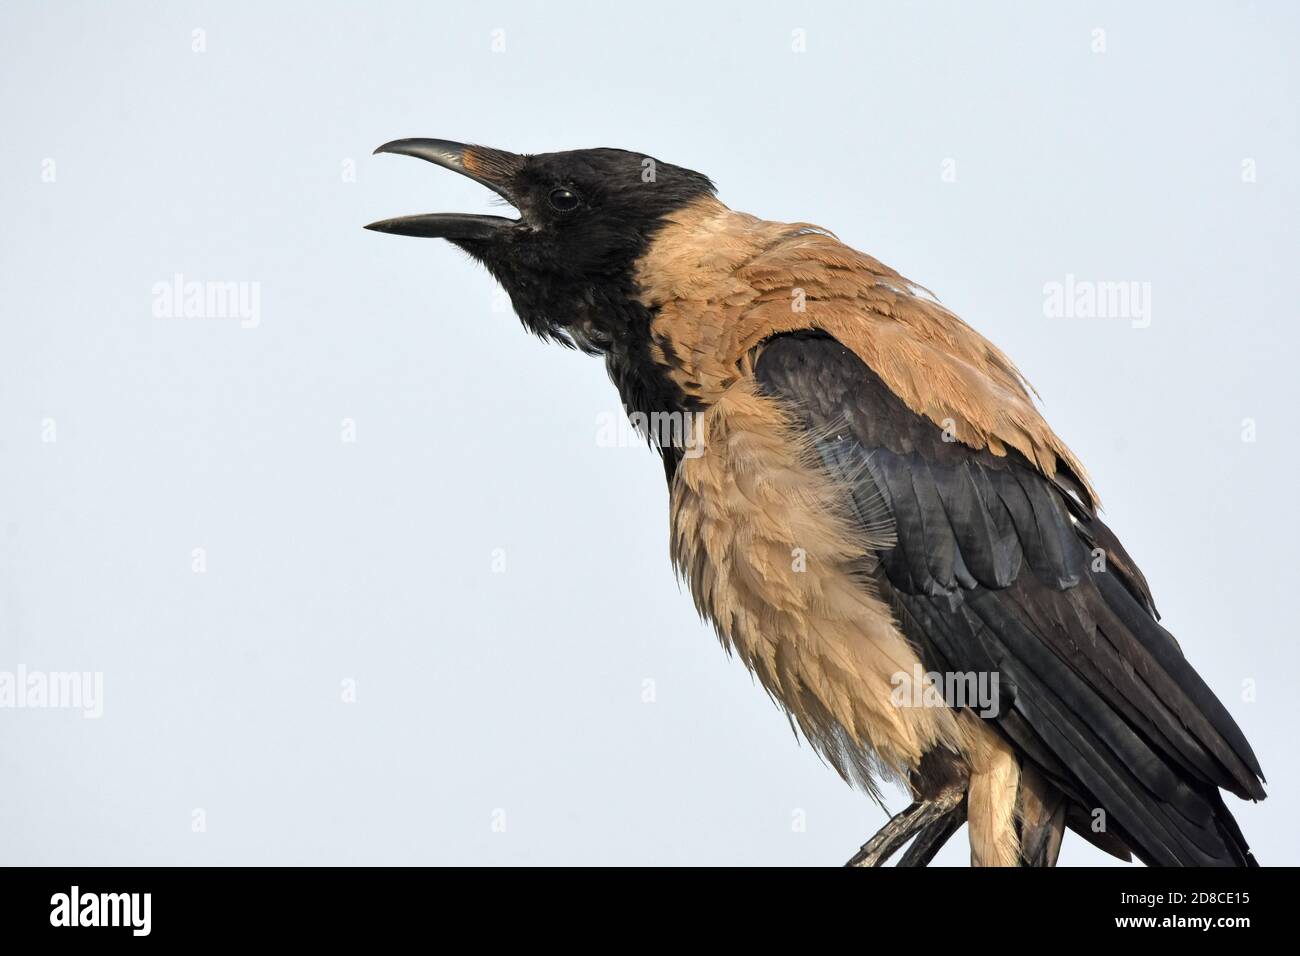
[(563, 200)]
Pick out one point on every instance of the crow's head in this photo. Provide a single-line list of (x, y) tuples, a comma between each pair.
[(585, 217)]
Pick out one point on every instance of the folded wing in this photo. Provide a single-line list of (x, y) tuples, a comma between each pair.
[(998, 568)]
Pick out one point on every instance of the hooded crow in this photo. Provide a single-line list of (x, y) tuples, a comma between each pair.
[(873, 514)]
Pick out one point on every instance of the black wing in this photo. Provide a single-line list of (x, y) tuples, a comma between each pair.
[(998, 569)]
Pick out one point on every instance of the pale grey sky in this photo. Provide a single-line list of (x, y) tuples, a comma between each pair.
[(357, 457)]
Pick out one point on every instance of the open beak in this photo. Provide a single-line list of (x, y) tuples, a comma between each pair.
[(494, 168)]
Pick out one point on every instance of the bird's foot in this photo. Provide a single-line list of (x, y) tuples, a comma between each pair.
[(931, 821)]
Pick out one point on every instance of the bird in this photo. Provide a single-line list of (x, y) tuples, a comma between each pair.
[(867, 504)]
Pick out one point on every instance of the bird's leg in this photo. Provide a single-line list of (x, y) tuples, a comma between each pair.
[(932, 837), (932, 818), (889, 838)]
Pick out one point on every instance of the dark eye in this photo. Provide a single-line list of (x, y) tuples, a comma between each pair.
[(563, 200)]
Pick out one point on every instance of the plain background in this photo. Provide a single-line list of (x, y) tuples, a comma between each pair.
[(501, 716)]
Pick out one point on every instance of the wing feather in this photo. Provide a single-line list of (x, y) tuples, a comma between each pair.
[(992, 568)]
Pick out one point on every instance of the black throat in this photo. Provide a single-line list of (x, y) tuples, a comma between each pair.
[(603, 318)]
